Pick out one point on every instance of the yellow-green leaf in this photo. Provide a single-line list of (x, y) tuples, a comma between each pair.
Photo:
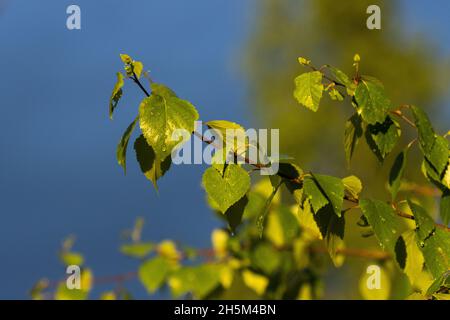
[(153, 272), (151, 165), (160, 117), (255, 281), (226, 190), (116, 94), (308, 89), (121, 152)]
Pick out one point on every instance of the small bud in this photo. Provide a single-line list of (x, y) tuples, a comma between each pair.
[(126, 58), (304, 61), (356, 58)]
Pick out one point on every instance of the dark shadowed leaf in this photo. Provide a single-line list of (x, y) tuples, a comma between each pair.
[(383, 220), (121, 152), (396, 173), (383, 136), (116, 94), (152, 167), (353, 132)]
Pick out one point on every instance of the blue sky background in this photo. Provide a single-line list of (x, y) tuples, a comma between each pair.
[(58, 173)]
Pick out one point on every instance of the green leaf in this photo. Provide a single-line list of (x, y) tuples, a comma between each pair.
[(151, 165), (71, 258), (446, 178), (438, 155), (160, 117), (290, 171), (431, 174), (265, 210), (436, 251), (226, 190), (383, 220), (64, 293), (223, 125), (340, 76), (308, 89), (333, 189), (121, 152), (126, 59), (445, 207), (200, 280), (383, 137), (426, 132), (313, 193), (396, 173), (332, 229), (353, 186), (162, 90), (265, 258), (424, 223), (307, 220), (256, 282), (440, 281), (282, 226), (353, 132), (335, 95), (434, 242), (116, 94), (236, 135), (235, 213), (137, 68), (153, 272), (409, 256), (137, 250), (434, 147), (372, 101)]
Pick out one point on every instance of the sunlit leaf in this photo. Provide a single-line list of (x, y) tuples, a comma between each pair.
[(219, 239), (153, 272), (226, 190), (353, 132), (121, 152), (396, 173), (255, 281), (372, 101), (409, 256), (116, 94), (353, 186), (137, 250), (308, 89), (333, 189), (160, 117), (384, 222)]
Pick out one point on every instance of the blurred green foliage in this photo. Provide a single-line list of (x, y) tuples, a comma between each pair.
[(330, 32)]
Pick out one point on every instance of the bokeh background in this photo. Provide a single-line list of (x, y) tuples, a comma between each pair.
[(233, 59)]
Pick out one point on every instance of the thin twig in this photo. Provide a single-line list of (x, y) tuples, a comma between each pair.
[(401, 115)]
